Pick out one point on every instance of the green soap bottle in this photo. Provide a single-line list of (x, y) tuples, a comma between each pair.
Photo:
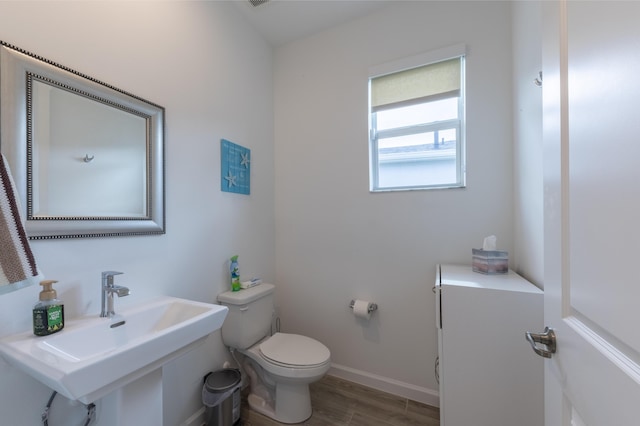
[(48, 313)]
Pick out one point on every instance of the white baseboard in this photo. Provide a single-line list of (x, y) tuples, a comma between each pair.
[(196, 419), (385, 384)]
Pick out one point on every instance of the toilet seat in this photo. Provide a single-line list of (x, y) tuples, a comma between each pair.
[(294, 351)]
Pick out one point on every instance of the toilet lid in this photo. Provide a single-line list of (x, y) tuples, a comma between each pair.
[(293, 349)]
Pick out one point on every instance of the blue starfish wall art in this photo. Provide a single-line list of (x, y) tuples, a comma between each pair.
[(235, 168)]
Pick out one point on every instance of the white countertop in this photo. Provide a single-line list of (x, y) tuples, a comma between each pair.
[(463, 275)]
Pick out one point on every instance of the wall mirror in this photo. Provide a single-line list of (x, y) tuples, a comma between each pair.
[(87, 158)]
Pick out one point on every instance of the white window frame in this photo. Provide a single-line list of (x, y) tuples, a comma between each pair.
[(439, 55)]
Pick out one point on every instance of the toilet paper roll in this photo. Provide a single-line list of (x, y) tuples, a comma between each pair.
[(361, 309)]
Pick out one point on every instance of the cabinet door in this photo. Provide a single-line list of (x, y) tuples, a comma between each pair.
[(489, 375)]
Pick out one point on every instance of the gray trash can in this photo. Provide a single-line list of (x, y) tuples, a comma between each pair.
[(221, 397)]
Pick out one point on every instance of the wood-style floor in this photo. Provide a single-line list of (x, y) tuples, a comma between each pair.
[(338, 402)]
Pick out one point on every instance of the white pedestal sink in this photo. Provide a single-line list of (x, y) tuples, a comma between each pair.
[(93, 356)]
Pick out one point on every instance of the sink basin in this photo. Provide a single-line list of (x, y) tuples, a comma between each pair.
[(93, 356)]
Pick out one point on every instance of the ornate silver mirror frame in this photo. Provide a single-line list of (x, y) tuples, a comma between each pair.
[(88, 202)]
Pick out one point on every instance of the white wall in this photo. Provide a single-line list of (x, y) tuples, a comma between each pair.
[(527, 123), (213, 75), (335, 241)]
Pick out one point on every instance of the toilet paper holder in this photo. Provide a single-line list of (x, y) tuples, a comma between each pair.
[(371, 308)]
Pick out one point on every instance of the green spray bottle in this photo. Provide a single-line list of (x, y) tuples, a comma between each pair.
[(235, 273)]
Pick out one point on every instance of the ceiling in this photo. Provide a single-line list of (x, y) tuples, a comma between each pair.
[(282, 21)]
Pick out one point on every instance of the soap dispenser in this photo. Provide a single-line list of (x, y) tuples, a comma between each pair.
[(48, 313)]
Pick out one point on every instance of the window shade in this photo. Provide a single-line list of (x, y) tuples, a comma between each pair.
[(430, 82)]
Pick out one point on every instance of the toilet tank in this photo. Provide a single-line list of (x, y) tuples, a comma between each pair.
[(249, 317)]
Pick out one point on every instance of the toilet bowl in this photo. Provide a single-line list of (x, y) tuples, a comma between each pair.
[(281, 366), (291, 356), (285, 364)]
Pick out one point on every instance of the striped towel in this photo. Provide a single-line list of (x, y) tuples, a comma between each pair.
[(17, 264)]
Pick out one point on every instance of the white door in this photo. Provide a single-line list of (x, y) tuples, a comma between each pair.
[(591, 116)]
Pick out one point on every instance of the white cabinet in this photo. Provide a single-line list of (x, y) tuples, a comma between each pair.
[(488, 373)]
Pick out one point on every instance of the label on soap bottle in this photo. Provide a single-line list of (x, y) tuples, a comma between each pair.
[(48, 319)]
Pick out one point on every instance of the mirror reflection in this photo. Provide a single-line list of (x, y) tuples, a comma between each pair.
[(79, 144)]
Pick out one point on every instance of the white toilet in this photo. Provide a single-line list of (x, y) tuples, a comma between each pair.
[(281, 366)]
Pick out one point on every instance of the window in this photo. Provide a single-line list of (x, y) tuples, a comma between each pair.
[(416, 124)]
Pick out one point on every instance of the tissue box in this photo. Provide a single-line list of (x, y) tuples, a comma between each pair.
[(490, 261)]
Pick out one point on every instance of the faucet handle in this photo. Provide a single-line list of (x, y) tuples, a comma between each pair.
[(108, 276)]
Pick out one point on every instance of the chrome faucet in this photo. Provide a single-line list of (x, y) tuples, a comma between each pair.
[(108, 290)]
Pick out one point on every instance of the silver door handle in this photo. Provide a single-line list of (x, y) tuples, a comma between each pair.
[(548, 338)]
